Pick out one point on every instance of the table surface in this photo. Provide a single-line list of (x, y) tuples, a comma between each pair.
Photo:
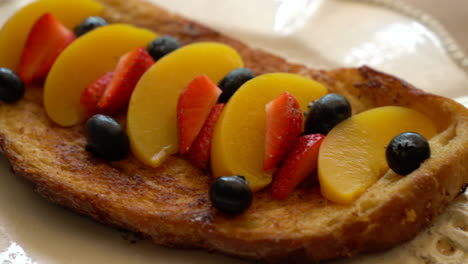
[(453, 14)]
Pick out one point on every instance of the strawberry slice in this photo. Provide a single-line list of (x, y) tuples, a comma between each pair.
[(199, 153), (128, 72), (283, 127), (91, 95), (46, 40), (297, 165), (194, 106)]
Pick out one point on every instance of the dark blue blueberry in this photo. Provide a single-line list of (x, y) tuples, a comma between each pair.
[(233, 81), (106, 139), (161, 46), (231, 194), (326, 113), (89, 24), (406, 152), (11, 86)]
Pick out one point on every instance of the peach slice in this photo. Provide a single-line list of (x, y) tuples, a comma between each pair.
[(238, 142), (14, 33), (85, 60), (352, 156), (151, 120)]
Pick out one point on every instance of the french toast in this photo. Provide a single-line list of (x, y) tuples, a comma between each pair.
[(170, 203)]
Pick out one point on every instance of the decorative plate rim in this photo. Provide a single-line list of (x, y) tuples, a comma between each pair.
[(450, 45)]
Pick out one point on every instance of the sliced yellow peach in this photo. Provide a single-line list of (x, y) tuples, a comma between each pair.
[(352, 156), (14, 33), (151, 120), (84, 61), (238, 141)]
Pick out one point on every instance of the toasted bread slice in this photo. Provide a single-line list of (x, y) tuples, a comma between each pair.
[(170, 204)]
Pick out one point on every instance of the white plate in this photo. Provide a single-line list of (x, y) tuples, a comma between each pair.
[(332, 33)]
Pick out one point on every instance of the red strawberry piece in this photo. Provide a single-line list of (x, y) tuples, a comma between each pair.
[(194, 106), (46, 40), (91, 95), (297, 165), (283, 127), (199, 153), (128, 72)]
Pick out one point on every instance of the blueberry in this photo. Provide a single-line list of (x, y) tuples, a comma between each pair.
[(89, 24), (326, 113), (406, 152), (11, 86), (162, 46), (232, 81), (106, 139), (231, 194)]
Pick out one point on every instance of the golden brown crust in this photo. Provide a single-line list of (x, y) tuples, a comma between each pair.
[(171, 205)]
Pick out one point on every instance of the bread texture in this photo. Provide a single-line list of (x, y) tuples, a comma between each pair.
[(170, 203)]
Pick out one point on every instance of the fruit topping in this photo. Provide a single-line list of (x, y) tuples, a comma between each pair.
[(152, 113), (194, 106), (90, 23), (326, 113), (199, 153), (84, 61), (11, 86), (406, 152), (161, 46), (231, 194), (106, 139), (238, 146), (283, 127), (47, 39), (128, 72), (352, 156), (233, 81), (15, 31), (90, 97), (297, 165)]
